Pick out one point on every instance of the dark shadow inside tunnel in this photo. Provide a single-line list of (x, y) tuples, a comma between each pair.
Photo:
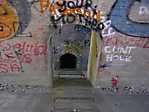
[(68, 61)]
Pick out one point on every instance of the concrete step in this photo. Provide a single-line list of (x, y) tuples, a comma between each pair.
[(68, 99), (69, 73), (70, 94), (69, 82), (69, 76), (73, 92), (68, 105), (73, 110)]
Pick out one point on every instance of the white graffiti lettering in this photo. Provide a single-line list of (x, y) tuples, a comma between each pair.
[(118, 53), (143, 10), (108, 30)]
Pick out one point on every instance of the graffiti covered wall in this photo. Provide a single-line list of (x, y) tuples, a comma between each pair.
[(24, 35), (23, 42), (126, 42), (75, 43)]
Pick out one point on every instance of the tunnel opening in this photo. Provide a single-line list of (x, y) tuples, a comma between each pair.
[(68, 61)]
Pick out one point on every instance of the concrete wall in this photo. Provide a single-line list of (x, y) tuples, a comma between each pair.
[(29, 52), (125, 49), (71, 41), (25, 55)]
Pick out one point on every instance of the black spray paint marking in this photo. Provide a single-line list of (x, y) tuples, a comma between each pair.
[(86, 21)]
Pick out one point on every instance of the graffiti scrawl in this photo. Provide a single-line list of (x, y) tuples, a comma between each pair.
[(122, 23), (14, 17), (81, 11)]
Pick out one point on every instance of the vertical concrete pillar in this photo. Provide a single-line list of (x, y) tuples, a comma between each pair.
[(94, 57), (50, 68)]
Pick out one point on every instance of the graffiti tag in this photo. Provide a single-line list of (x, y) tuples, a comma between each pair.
[(118, 53), (70, 11), (119, 17), (13, 57), (9, 20)]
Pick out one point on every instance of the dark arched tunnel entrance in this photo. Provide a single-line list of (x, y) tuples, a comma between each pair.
[(68, 61)]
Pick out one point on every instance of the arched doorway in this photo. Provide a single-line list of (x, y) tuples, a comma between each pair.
[(68, 61)]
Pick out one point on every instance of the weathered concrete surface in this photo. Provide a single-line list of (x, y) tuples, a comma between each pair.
[(71, 94), (134, 73), (22, 102), (31, 65), (70, 98), (121, 103)]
